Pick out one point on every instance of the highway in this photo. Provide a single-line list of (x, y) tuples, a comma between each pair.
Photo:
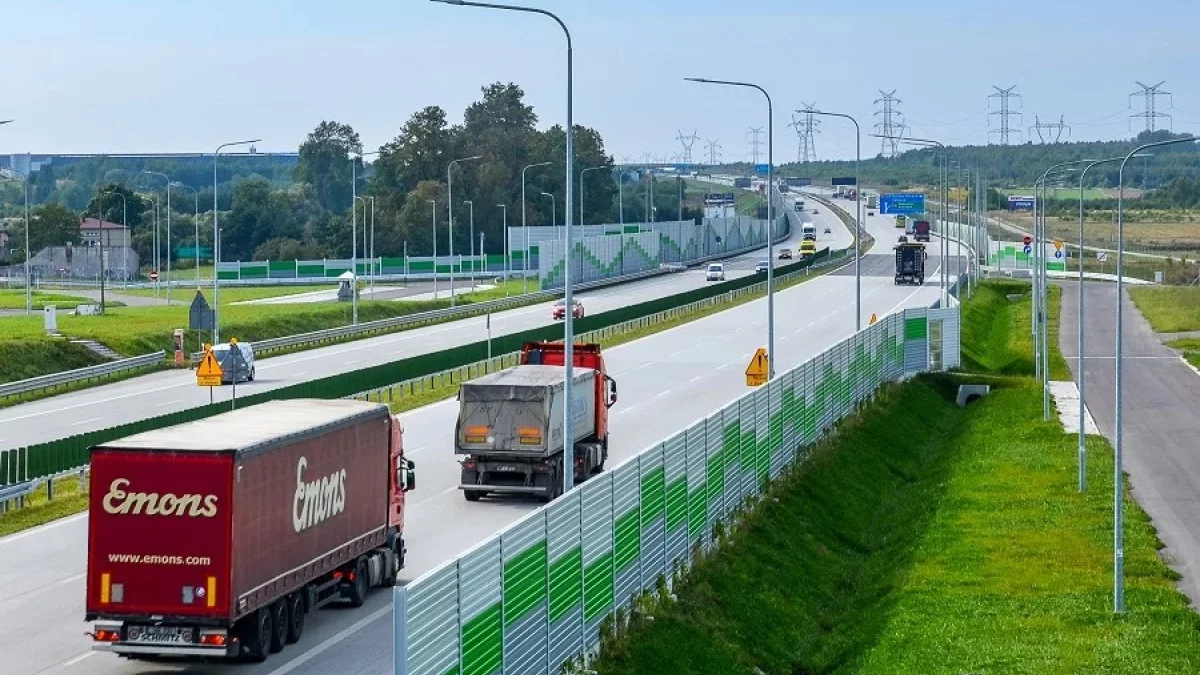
[(168, 391), (667, 381)]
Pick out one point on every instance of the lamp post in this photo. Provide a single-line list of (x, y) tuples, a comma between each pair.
[(770, 215), (568, 323), (196, 223), (371, 274), (858, 217), (28, 253), (581, 175), (354, 255), (525, 229), (433, 222), (553, 209), (450, 212), (1118, 469), (471, 239), (157, 248), (217, 243), (507, 248), (125, 224)]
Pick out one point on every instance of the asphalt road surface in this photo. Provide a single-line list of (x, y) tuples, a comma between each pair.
[(1161, 417), (163, 392), (667, 381)]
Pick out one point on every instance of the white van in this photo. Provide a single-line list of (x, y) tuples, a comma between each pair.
[(716, 272)]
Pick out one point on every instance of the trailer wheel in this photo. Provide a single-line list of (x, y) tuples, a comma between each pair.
[(472, 495), (256, 636), (279, 625), (295, 618), (358, 591)]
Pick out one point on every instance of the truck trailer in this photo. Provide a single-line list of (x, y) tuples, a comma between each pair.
[(213, 539), (920, 230), (510, 424), (910, 263)]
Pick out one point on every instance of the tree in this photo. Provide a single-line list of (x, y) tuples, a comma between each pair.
[(52, 225), (414, 223), (108, 206), (420, 152), (286, 248), (325, 164), (260, 214)]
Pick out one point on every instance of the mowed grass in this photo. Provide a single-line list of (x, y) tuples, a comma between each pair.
[(232, 294), (69, 498), (22, 359), (1169, 309), (997, 337), (15, 299), (928, 539)]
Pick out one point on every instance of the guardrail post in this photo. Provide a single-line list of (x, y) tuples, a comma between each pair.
[(50, 489)]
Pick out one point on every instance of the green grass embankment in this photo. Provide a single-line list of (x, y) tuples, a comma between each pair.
[(927, 539), (15, 299), (1169, 309), (21, 359), (996, 331)]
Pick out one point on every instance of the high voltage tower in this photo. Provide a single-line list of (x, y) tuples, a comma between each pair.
[(1005, 112), (1057, 127), (1151, 115), (807, 126), (892, 124), (687, 142), (755, 142), (714, 151)]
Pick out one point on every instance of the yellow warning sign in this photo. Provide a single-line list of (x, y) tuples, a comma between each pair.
[(759, 369), (209, 373), (873, 319), (1058, 244)]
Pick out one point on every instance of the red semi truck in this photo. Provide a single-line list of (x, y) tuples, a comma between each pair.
[(215, 538)]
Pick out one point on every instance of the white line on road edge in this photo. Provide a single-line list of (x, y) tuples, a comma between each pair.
[(93, 419), (333, 640), (71, 579), (42, 528), (77, 659)]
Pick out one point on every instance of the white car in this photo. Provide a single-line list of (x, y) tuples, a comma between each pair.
[(716, 272), (221, 353)]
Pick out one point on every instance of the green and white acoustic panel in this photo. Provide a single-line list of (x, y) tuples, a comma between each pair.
[(535, 596)]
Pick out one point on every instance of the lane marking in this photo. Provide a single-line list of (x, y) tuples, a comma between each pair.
[(159, 405), (42, 528), (333, 640), (93, 419), (77, 659), (72, 579)]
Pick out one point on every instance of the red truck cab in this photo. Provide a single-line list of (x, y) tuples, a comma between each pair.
[(583, 356)]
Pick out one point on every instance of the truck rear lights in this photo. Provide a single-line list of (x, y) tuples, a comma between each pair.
[(213, 638), (106, 635), (469, 466), (529, 435), (477, 434)]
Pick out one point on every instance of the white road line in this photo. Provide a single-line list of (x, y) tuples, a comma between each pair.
[(42, 528), (333, 640), (662, 393), (77, 659), (93, 419), (70, 580), (159, 405)]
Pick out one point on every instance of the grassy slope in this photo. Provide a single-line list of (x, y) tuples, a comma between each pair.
[(996, 331), (1169, 309), (15, 299), (926, 539), (21, 359)]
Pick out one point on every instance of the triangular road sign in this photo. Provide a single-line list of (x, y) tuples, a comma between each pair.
[(759, 369), (873, 319), (209, 372)]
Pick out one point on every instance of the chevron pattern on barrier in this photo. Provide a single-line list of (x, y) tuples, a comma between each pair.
[(534, 596)]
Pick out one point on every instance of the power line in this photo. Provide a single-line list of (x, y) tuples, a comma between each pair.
[(1150, 115), (1057, 127), (687, 142), (714, 151), (806, 129), (755, 142), (890, 126), (1005, 112)]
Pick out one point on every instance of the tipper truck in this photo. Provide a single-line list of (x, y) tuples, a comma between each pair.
[(921, 230), (510, 424), (910, 263), (214, 538)]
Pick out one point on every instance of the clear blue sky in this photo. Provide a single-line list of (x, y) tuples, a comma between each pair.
[(169, 75)]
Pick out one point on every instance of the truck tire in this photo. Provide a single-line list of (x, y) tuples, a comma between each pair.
[(472, 495), (358, 591), (279, 625), (256, 635), (295, 618)]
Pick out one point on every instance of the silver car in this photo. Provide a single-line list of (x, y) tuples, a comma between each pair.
[(716, 272), (221, 353)]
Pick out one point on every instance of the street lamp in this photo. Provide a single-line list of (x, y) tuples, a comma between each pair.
[(354, 226), (569, 321), (28, 253), (553, 209), (471, 239), (156, 248), (216, 305), (433, 221), (525, 229), (581, 175), (858, 218), (371, 267), (196, 223), (450, 212), (507, 248), (1118, 471), (770, 215), (124, 260)]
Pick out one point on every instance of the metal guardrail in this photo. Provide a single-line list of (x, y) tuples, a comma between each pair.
[(11, 492), (461, 311), (80, 374)]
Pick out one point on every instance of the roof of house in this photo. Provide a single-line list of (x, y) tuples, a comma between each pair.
[(94, 224)]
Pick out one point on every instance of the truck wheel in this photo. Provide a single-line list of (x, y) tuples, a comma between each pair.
[(295, 618), (279, 625), (358, 592), (471, 495), (256, 636)]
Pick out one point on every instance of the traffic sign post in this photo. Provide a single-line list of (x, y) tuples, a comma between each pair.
[(235, 364), (759, 369), (209, 373)]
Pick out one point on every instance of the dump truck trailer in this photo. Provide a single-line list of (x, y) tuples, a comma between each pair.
[(910, 263)]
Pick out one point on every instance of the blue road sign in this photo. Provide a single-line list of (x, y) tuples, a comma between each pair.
[(761, 169), (1020, 203), (1028, 250), (1058, 254), (902, 203)]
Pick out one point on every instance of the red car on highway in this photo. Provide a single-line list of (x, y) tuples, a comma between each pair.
[(560, 309)]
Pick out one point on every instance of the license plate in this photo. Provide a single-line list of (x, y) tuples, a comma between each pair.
[(159, 634), (506, 468)]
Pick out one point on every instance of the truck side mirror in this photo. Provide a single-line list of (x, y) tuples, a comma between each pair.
[(611, 391), (408, 476)]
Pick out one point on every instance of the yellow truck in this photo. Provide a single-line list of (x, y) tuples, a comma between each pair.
[(808, 247)]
